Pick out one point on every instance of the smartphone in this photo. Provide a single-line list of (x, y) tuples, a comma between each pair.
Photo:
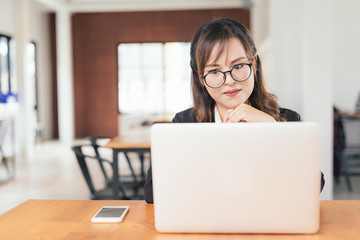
[(110, 214)]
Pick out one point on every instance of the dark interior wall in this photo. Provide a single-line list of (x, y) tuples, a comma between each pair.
[(54, 76), (95, 40)]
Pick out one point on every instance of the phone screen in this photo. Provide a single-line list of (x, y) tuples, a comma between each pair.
[(108, 212)]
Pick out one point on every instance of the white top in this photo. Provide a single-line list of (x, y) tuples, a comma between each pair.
[(217, 116)]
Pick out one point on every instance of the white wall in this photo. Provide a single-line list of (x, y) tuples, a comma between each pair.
[(25, 20), (259, 24), (6, 18), (286, 72), (346, 66), (346, 47), (39, 33)]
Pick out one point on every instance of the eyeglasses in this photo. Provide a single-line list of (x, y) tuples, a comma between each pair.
[(239, 72)]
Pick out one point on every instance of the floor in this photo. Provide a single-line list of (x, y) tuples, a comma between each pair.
[(341, 191), (53, 173)]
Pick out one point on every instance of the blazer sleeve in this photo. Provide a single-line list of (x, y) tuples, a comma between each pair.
[(322, 182), (148, 188), (290, 115)]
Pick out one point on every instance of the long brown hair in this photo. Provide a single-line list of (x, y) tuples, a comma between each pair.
[(215, 32)]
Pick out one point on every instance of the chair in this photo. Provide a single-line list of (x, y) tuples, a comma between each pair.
[(5, 125), (357, 107), (82, 158), (346, 156), (105, 193), (339, 144), (96, 146)]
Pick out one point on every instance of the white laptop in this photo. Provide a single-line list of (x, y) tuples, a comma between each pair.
[(236, 178)]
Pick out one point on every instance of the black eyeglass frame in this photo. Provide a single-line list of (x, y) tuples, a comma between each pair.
[(229, 71)]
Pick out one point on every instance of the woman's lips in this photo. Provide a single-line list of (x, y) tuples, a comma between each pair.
[(233, 92)]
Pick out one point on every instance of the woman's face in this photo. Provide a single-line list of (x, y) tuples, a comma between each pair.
[(232, 93)]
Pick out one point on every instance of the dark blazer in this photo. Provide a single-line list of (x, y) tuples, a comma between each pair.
[(188, 116)]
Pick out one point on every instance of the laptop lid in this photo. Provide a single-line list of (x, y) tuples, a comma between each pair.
[(236, 178)]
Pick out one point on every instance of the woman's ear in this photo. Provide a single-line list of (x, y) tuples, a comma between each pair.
[(201, 80), (255, 57), (255, 64)]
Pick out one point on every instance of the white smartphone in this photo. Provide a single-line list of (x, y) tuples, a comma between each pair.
[(110, 214)]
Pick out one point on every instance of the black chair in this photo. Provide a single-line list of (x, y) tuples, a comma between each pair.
[(5, 126), (129, 186), (96, 146), (82, 158), (339, 145), (346, 158)]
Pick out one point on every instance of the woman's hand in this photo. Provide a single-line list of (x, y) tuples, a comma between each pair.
[(247, 113)]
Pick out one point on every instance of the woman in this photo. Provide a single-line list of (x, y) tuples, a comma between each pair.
[(227, 82)]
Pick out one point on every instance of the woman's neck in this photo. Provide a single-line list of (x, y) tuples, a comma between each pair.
[(221, 112)]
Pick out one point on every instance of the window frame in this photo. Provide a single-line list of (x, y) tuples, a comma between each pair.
[(8, 59), (36, 81)]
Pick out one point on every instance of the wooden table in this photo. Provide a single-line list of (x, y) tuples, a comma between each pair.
[(70, 219), (352, 115), (137, 144)]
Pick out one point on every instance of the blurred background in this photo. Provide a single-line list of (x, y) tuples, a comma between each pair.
[(70, 69)]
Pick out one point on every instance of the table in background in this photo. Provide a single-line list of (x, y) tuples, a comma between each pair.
[(125, 145), (71, 219), (350, 114)]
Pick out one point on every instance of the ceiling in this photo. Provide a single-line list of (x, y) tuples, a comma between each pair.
[(141, 5)]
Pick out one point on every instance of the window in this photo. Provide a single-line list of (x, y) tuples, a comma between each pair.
[(32, 71), (4, 64), (154, 77), (8, 87)]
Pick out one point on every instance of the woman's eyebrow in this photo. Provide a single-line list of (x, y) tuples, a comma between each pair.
[(212, 65), (238, 59), (233, 61)]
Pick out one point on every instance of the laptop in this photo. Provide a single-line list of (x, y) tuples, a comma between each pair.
[(236, 178)]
